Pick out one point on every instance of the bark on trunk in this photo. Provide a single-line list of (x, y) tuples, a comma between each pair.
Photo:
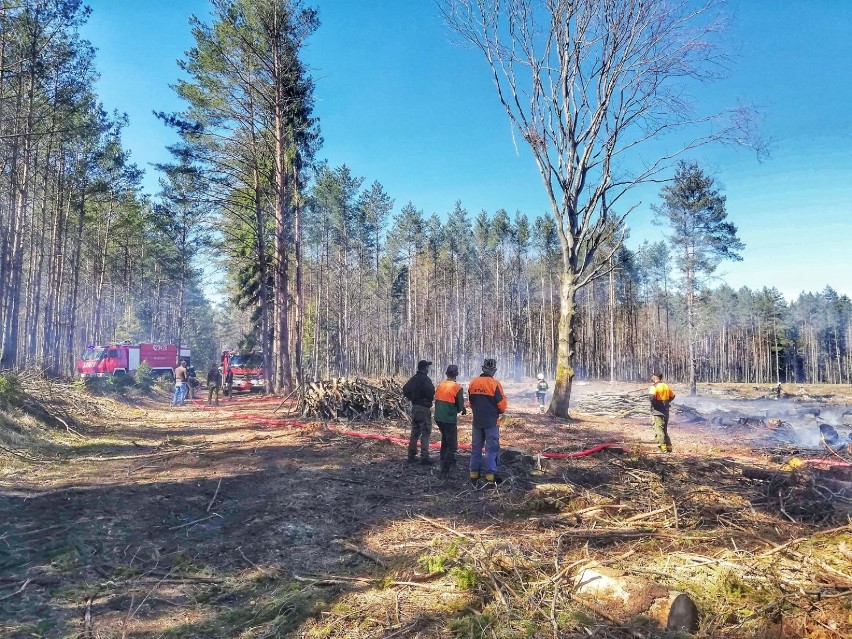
[(565, 347)]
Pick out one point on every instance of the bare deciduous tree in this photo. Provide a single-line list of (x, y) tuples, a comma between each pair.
[(588, 85)]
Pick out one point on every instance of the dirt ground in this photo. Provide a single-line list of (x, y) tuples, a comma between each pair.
[(240, 522)]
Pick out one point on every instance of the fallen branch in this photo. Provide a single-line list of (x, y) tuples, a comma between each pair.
[(332, 580), (641, 516), (438, 524), (196, 521), (210, 505), (363, 553), (603, 533), (88, 622), (18, 591), (799, 540)]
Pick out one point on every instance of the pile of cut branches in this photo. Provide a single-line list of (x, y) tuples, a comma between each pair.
[(634, 403), (631, 404), (352, 400), (59, 404)]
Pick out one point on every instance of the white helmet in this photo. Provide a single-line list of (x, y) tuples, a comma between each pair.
[(541, 375)]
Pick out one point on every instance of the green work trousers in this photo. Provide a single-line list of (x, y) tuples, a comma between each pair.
[(661, 432)]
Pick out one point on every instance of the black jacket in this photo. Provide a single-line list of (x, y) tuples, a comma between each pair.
[(419, 390), (214, 378)]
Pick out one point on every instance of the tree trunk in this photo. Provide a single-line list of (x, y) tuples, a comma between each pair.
[(283, 378), (298, 299), (263, 271), (565, 346)]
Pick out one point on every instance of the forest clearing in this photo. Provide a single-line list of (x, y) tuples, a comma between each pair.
[(284, 208), (237, 521)]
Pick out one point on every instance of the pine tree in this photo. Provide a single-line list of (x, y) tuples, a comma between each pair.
[(701, 237)]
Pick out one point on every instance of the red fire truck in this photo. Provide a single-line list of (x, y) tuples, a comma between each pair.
[(125, 358), (247, 369)]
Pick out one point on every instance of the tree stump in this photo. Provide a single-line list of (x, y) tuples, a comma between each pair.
[(625, 597), (512, 455)]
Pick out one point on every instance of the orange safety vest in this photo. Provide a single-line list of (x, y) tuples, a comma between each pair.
[(662, 392), (487, 400), (447, 391)]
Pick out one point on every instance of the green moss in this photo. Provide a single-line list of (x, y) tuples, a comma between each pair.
[(466, 578), (440, 561), (478, 624), (65, 561)]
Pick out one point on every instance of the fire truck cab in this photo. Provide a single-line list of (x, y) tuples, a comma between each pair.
[(246, 368)]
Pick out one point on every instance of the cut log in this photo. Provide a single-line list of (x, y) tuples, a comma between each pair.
[(765, 474), (626, 597), (829, 434)]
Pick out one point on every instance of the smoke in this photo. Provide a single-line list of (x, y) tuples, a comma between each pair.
[(775, 421)]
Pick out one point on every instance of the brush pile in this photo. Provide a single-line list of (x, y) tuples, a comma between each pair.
[(632, 404), (57, 403), (352, 400)]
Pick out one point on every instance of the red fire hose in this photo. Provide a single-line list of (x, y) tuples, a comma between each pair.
[(290, 423)]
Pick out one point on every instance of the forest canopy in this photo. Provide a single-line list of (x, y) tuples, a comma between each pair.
[(326, 271)]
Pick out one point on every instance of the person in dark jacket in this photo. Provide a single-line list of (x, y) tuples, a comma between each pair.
[(214, 382), (488, 403), (420, 391), (229, 384), (192, 381), (449, 402)]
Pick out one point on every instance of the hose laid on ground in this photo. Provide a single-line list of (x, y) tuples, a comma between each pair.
[(290, 423), (830, 463)]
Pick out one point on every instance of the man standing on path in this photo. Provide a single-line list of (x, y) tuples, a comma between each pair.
[(540, 392), (180, 385), (661, 396), (214, 381), (229, 384), (449, 402), (488, 403), (420, 391), (191, 381)]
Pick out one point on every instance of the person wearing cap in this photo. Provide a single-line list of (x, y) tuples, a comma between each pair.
[(420, 391), (488, 403), (661, 396), (449, 402), (541, 391)]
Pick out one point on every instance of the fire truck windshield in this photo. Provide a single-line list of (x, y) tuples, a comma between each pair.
[(93, 354), (246, 361)]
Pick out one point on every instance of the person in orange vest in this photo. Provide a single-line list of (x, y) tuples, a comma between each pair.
[(488, 403), (661, 396), (449, 402)]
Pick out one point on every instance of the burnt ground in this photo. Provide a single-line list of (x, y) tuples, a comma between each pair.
[(195, 523)]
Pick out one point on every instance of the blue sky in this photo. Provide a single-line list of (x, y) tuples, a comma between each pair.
[(400, 103)]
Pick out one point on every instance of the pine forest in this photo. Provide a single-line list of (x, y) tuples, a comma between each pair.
[(323, 269)]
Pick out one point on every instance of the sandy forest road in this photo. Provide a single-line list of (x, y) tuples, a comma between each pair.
[(196, 523)]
